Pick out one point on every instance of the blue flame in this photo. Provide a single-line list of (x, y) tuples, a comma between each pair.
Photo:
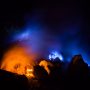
[(55, 55), (70, 42)]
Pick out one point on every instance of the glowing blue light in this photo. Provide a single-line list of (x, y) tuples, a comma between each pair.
[(25, 35), (55, 55), (22, 36)]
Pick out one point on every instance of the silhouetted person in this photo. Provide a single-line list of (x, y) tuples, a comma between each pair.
[(78, 72), (41, 75)]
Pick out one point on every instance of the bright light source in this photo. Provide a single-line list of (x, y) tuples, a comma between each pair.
[(29, 70), (55, 55)]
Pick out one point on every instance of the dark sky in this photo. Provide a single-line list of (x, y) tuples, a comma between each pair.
[(66, 20)]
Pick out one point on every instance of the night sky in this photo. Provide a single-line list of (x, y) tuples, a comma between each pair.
[(54, 25)]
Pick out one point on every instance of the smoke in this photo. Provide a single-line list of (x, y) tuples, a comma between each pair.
[(42, 40), (60, 30)]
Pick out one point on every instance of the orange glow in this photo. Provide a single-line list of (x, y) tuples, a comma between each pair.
[(29, 73), (17, 60), (45, 64)]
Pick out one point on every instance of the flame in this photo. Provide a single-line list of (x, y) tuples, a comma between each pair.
[(45, 64), (17, 60), (29, 73)]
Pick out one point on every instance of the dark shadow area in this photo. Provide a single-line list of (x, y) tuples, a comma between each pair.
[(75, 76)]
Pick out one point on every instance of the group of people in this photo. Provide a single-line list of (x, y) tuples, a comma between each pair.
[(61, 76)]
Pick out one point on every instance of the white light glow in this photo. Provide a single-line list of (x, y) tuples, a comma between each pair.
[(55, 55)]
